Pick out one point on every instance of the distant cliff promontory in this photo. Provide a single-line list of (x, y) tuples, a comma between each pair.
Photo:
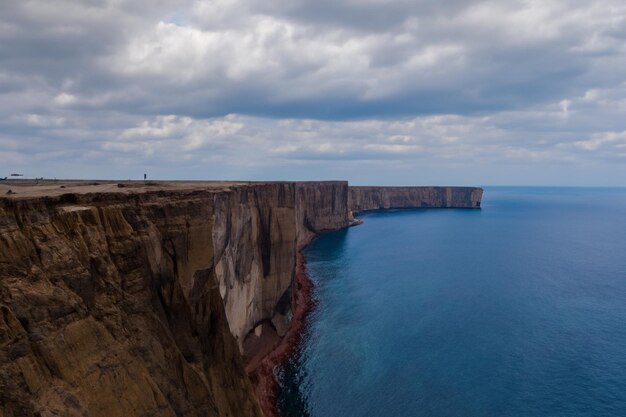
[(375, 198)]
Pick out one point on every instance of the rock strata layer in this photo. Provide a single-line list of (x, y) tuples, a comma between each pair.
[(127, 300), (376, 198)]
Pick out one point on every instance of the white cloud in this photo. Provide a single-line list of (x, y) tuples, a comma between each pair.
[(65, 99), (615, 139)]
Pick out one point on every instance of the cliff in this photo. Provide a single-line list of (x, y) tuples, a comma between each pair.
[(321, 206), (258, 230), (138, 299), (110, 307), (375, 198)]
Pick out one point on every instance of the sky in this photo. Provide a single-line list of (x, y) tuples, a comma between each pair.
[(424, 92)]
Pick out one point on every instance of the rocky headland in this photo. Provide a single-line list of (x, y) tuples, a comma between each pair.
[(163, 298)]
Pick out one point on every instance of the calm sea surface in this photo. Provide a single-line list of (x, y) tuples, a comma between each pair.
[(518, 309)]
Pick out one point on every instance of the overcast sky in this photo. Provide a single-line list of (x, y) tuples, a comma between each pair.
[(461, 92)]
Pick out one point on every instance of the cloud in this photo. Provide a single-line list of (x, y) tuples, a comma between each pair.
[(256, 88)]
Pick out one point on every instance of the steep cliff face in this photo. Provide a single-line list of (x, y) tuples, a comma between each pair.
[(256, 235), (321, 206), (122, 301), (375, 198), (255, 246), (109, 306), (132, 304)]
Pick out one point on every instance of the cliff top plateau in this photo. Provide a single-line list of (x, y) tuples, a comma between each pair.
[(51, 188)]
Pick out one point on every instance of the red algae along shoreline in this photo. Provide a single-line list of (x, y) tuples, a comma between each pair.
[(262, 374)]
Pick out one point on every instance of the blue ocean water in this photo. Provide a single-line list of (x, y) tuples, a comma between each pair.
[(518, 309)]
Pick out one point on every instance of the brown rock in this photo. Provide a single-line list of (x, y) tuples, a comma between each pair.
[(110, 307)]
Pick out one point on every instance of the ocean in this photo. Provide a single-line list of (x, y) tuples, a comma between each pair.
[(518, 309)]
